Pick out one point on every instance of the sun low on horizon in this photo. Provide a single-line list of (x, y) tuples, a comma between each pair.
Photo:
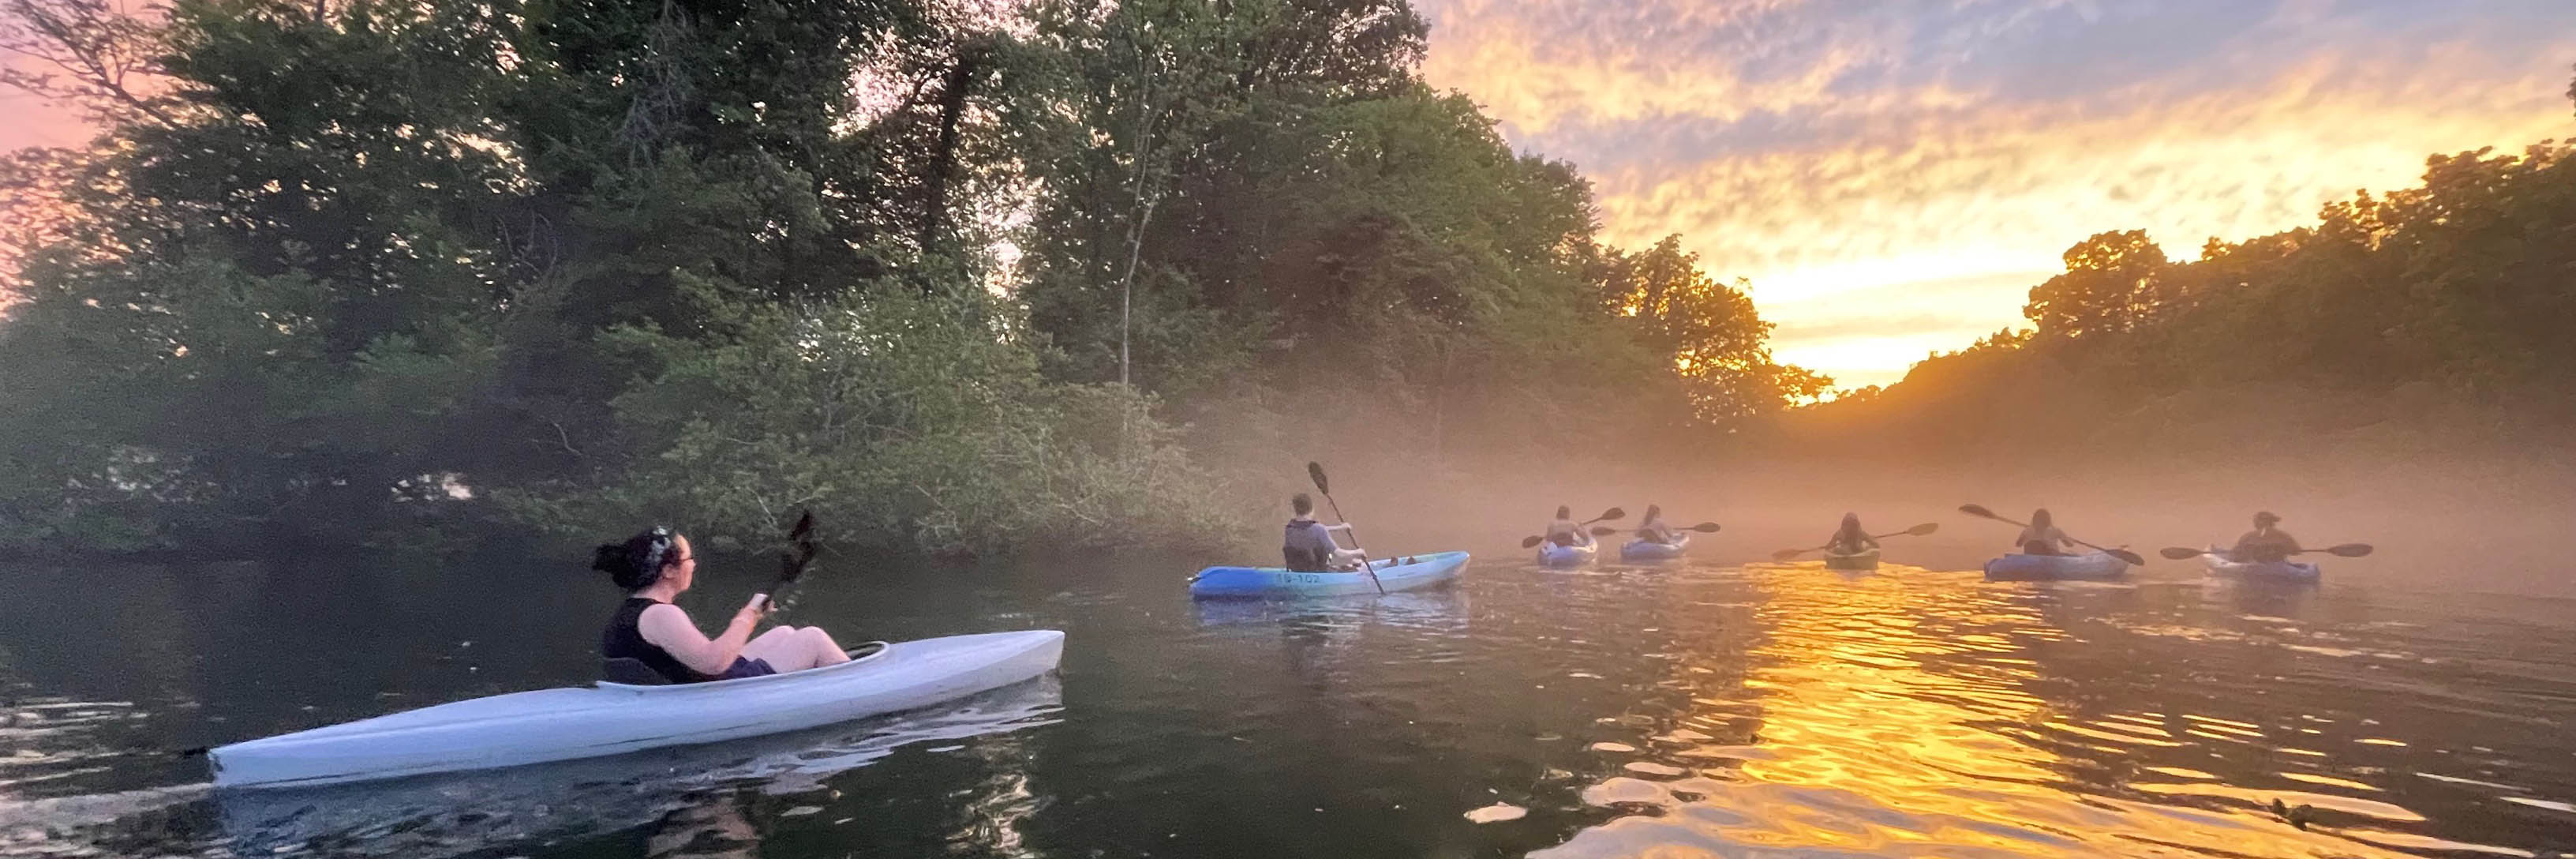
[(1892, 178)]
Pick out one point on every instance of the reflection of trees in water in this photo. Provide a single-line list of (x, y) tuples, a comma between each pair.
[(996, 811), (713, 827)]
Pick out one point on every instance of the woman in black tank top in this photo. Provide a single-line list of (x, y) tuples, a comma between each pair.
[(657, 566)]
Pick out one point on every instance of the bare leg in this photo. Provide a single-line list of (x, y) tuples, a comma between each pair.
[(826, 651), (791, 648), (774, 648)]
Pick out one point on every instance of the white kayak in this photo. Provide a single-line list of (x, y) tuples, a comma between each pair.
[(2279, 571), (1554, 555), (1642, 549), (614, 718), (2027, 568)]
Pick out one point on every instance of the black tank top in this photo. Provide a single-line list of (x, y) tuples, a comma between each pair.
[(622, 640)]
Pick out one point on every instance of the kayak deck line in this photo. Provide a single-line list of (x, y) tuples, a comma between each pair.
[(545, 725), (868, 651)]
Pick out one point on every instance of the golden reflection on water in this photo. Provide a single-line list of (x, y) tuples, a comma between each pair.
[(1912, 713)]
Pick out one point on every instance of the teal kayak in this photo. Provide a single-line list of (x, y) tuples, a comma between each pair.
[(1642, 549), (2276, 571), (1553, 555), (2027, 568), (1410, 572)]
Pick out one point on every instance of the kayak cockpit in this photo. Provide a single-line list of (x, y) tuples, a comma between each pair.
[(624, 673)]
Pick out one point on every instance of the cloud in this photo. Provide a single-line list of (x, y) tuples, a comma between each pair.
[(1846, 154)]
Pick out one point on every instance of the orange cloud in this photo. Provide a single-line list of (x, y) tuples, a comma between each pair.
[(1921, 173)]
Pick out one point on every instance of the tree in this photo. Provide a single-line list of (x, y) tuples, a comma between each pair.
[(1716, 344), (2114, 282)]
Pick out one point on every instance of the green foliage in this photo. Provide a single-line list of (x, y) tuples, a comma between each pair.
[(1719, 346), (2113, 283), (337, 271), (901, 423)]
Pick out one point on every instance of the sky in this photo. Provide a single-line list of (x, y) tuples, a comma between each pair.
[(1894, 176)]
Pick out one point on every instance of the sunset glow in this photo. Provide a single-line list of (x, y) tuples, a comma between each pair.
[(1896, 181)]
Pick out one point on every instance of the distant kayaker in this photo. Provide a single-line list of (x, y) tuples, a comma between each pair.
[(1564, 531), (1652, 528), (657, 566), (1850, 539), (2042, 537), (2265, 544), (1309, 547)]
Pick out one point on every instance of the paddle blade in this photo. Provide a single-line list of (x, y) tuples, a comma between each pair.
[(791, 563), (1923, 530), (1611, 515), (1315, 470), (1980, 512), (2123, 554), (1786, 554), (2178, 553), (1532, 542), (1705, 527), (1605, 531), (2350, 550)]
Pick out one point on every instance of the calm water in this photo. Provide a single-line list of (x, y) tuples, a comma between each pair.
[(1689, 709)]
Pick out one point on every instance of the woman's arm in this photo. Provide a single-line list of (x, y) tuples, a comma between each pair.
[(667, 627)]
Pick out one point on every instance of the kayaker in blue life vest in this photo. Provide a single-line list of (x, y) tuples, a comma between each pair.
[(657, 566), (1652, 528), (2042, 537), (1850, 539), (1564, 531), (1309, 547), (2265, 544)]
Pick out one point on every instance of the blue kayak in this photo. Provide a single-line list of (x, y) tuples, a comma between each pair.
[(1642, 549), (2030, 568), (1553, 555), (1410, 572)]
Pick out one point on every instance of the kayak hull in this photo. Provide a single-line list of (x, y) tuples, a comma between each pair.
[(1642, 549), (2032, 568), (1866, 559), (2273, 571), (1412, 572), (611, 718), (1553, 555)]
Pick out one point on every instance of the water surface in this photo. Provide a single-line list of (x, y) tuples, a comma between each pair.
[(1692, 708)]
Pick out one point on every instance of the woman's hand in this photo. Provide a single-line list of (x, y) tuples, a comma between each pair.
[(752, 611)]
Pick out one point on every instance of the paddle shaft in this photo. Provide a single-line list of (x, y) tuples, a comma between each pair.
[(1873, 537), (1346, 525), (2069, 538)]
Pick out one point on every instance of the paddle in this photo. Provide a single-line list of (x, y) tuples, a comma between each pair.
[(2347, 550), (1316, 470), (1611, 514), (1916, 531), (2130, 557), (791, 564)]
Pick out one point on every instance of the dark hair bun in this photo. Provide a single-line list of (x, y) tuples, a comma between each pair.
[(612, 559)]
